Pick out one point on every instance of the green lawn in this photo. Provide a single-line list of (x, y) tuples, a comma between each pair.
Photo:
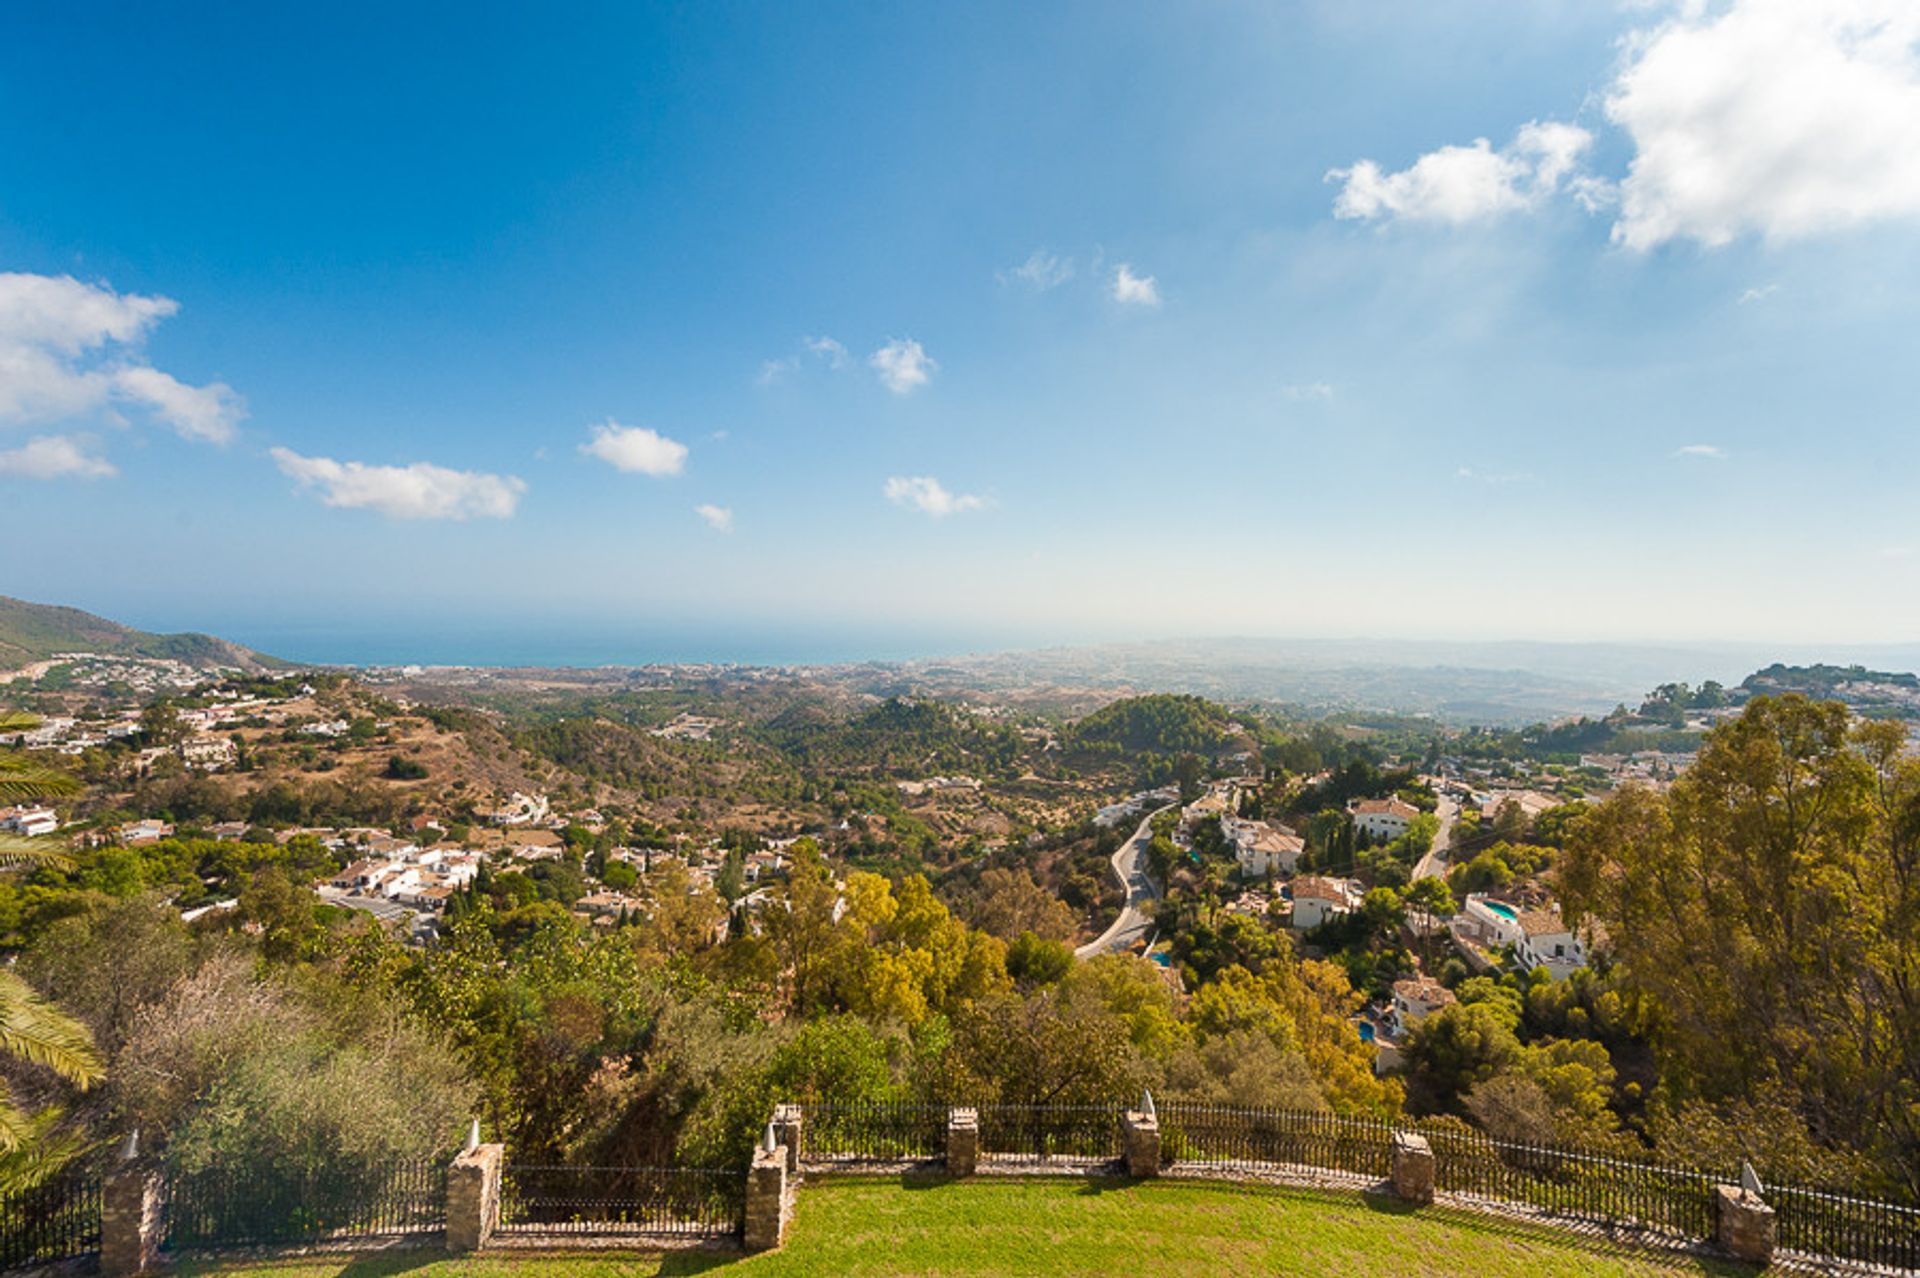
[(1066, 1228)]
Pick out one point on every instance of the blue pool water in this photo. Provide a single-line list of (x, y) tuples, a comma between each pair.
[(1501, 907)]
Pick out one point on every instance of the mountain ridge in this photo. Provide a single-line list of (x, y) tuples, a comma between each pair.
[(32, 632)]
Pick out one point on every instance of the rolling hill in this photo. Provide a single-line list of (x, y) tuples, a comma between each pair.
[(32, 632)]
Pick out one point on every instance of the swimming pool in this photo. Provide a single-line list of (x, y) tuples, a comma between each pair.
[(1501, 908)]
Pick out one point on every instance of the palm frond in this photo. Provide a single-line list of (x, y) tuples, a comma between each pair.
[(22, 778), (16, 1128), (40, 1149), (16, 850), (35, 1030)]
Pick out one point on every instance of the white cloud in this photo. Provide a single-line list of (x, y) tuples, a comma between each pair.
[(207, 412), (1700, 450), (55, 457), (1759, 293), (903, 365), (71, 350), (773, 370), (1041, 271), (1460, 184), (418, 491), (1786, 118), (827, 349), (718, 518), (929, 496), (1780, 118), (1309, 390), (1134, 290), (635, 449)]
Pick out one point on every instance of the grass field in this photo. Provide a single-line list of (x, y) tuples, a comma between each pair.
[(1075, 1230)]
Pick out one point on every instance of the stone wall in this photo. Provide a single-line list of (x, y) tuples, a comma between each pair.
[(1742, 1225), (129, 1222), (1140, 1143)]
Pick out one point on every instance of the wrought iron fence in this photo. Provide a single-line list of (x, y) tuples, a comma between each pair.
[(1620, 1191), (879, 1132), (55, 1221), (1049, 1133), (1815, 1223), (618, 1200), (229, 1206), (1232, 1138)]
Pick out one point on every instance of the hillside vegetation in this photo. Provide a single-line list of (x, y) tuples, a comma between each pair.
[(32, 632)]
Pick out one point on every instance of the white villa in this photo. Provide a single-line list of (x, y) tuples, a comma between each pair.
[(1263, 848), (1317, 899), (1382, 818)]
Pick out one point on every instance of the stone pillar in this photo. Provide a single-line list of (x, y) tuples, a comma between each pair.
[(769, 1199), (473, 1196), (1743, 1224), (963, 1141), (1412, 1168), (129, 1222), (1140, 1142), (789, 1124)]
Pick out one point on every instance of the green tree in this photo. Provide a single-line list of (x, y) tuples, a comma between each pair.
[(1769, 905)]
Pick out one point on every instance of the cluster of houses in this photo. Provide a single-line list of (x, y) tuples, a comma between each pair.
[(1268, 853), (31, 819), (396, 870)]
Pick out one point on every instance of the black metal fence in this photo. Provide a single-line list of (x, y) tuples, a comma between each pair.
[(55, 1221), (1814, 1223), (229, 1207), (619, 1200), (879, 1132), (1235, 1139), (1623, 1192), (1049, 1133)]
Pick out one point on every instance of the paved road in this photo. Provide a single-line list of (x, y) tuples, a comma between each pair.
[(1135, 921), (1434, 863)]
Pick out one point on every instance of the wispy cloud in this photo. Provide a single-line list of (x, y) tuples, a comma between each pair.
[(56, 457), (1134, 290), (827, 349), (718, 518), (1713, 451), (1498, 477), (824, 349), (636, 450), (1309, 391), (1040, 272), (417, 491), (929, 496), (903, 365), (1759, 293), (70, 351)]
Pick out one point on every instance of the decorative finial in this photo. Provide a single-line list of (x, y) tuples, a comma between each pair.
[(1146, 1103), (473, 1134), (131, 1150), (770, 1141), (1749, 1180)]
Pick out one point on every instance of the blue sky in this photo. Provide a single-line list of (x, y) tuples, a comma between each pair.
[(1290, 354)]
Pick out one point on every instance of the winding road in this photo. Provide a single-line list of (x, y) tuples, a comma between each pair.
[(1434, 863), (1129, 866)]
